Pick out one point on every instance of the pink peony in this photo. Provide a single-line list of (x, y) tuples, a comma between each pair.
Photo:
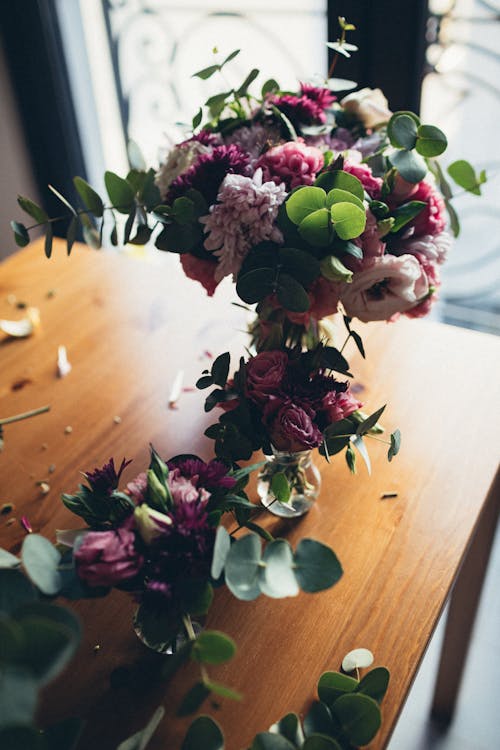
[(385, 287), (293, 163), (293, 429), (264, 375), (435, 248), (338, 406), (432, 218), (200, 270), (106, 558), (372, 184)]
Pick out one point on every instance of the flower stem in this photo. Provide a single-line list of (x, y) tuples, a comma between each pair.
[(188, 625), (24, 415)]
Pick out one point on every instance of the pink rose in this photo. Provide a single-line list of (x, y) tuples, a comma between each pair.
[(385, 287), (264, 375), (353, 165), (431, 270), (338, 406), (293, 163), (200, 270), (293, 429), (137, 488), (184, 489), (106, 558), (370, 241), (432, 219)]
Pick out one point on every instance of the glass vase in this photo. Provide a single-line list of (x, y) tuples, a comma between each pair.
[(303, 479), (151, 636)]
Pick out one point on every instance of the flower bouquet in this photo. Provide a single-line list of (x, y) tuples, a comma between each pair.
[(287, 402), (311, 204), (160, 539)]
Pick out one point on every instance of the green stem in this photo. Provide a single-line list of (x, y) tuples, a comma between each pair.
[(188, 625), (24, 415)]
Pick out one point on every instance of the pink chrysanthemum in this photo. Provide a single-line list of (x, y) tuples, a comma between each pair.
[(372, 185), (208, 172), (323, 97), (293, 163), (243, 216), (432, 219), (299, 109)]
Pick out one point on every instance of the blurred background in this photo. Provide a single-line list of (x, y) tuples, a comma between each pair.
[(78, 78)]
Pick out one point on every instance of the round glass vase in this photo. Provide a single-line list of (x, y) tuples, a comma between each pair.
[(303, 479), (151, 636)]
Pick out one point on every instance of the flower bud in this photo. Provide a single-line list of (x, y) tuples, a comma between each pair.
[(334, 270), (150, 523)]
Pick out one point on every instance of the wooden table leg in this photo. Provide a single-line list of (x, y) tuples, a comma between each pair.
[(463, 605)]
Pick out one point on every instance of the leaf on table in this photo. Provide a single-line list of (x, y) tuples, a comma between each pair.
[(357, 659), (64, 367), (24, 327)]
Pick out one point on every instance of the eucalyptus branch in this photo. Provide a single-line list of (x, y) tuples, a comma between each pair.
[(24, 415)]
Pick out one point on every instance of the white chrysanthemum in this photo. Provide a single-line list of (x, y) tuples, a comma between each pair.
[(179, 159)]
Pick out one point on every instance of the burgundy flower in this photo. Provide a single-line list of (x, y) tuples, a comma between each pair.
[(105, 479), (202, 270), (106, 558), (265, 374), (293, 429), (337, 406), (210, 475), (206, 138), (323, 97), (299, 109), (207, 173)]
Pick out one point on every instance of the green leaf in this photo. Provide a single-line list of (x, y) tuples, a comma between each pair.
[(48, 646), (263, 533), (349, 221), (64, 735), (359, 717), (196, 121), (255, 285), (338, 179), (395, 117), (213, 647), (179, 238), (304, 201), (121, 193), (271, 741), (332, 685), (374, 683), (280, 487), (242, 568), (223, 690), (290, 728), (8, 560), (405, 213), (269, 87), (18, 737), (316, 566), (370, 421), (303, 266), (395, 444), (18, 698), (49, 235), (242, 91), (63, 200), (320, 742), (21, 235), (220, 369), (359, 343), (464, 175), (15, 590), (32, 209), (206, 72), (71, 234), (135, 156), (221, 550), (333, 269), (40, 559), (193, 699), (318, 720), (230, 57), (90, 234), (431, 141), (128, 225), (454, 220), (197, 596), (183, 210), (142, 235), (204, 733), (315, 228), (291, 294), (403, 131), (410, 165), (350, 458), (343, 196), (277, 578), (286, 122)]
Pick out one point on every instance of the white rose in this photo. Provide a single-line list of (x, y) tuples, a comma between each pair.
[(369, 105)]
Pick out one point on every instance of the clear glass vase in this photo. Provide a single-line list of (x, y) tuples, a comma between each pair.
[(303, 478), (150, 635)]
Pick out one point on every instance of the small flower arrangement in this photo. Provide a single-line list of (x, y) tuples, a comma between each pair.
[(312, 204)]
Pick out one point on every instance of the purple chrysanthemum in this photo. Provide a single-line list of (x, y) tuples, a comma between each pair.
[(205, 137), (323, 97), (207, 173), (299, 109), (105, 479)]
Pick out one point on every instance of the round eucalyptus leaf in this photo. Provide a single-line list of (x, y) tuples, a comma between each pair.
[(320, 742), (431, 141), (204, 733), (40, 559), (403, 131), (270, 741), (332, 685), (316, 566), (253, 286), (395, 117), (359, 717), (374, 683), (410, 165), (318, 720), (11, 641), (343, 196), (18, 698), (290, 728), (301, 265), (51, 612), (304, 201), (291, 294), (242, 567), (15, 590), (221, 550), (48, 646), (341, 180), (359, 658), (315, 228), (213, 647), (349, 220), (277, 578)]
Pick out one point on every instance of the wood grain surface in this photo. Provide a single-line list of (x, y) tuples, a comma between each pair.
[(129, 325)]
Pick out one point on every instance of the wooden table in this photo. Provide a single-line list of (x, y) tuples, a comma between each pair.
[(129, 325)]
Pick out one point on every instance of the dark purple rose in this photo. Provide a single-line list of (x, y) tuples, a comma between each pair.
[(293, 429), (207, 173), (105, 479), (106, 558), (265, 375)]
